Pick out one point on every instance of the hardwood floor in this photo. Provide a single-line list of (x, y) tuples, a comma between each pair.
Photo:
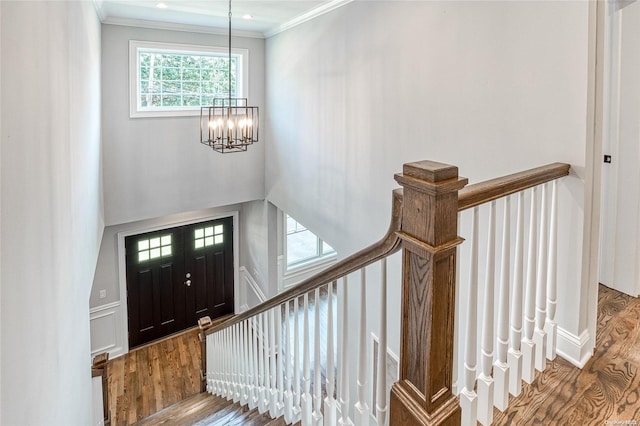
[(153, 377), (605, 391)]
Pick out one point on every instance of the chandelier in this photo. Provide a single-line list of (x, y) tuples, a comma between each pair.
[(229, 125)]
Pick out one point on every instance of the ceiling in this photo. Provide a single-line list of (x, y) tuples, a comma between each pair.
[(267, 17)]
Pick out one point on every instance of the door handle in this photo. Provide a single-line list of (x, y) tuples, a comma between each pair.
[(188, 283)]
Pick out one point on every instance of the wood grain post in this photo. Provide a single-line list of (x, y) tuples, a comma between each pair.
[(203, 324), (423, 395), (99, 369)]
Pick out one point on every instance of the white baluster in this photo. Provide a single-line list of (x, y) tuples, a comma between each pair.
[(211, 363), (242, 364), (247, 362), (381, 385), (273, 390), (501, 368), (361, 414), (514, 355), (280, 361), (468, 396), (235, 362), (255, 362), (261, 365), (267, 365), (226, 387), (485, 381), (296, 360), (330, 402), (230, 360), (343, 372), (305, 399), (317, 381), (218, 364), (552, 279), (528, 345), (540, 337), (288, 369)]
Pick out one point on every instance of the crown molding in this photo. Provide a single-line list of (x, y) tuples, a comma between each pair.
[(97, 5), (156, 25), (312, 14)]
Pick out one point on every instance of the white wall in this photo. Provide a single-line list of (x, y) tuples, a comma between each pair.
[(492, 87), (155, 167), (52, 220)]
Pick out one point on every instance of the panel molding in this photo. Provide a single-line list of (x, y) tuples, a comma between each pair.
[(109, 317)]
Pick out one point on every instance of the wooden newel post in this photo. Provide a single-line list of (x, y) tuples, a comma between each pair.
[(423, 395)]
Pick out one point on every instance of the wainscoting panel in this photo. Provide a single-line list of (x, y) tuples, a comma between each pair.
[(105, 325)]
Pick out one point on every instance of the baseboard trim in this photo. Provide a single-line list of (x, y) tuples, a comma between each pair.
[(575, 349)]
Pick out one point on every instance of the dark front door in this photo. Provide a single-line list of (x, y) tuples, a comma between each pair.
[(176, 276), (209, 269)]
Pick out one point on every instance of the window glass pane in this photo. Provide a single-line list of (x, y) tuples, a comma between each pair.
[(143, 255), (165, 240), (154, 242), (154, 253), (208, 241), (301, 245), (218, 239), (143, 245), (199, 243), (166, 251), (208, 231), (199, 233), (184, 78), (218, 229)]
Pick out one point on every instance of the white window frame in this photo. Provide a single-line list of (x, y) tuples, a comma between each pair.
[(135, 46), (291, 276)]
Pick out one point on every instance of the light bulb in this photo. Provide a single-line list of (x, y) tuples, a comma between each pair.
[(213, 124), (230, 125), (242, 123), (249, 122)]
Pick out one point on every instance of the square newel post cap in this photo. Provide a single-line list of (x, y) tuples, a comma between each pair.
[(428, 175)]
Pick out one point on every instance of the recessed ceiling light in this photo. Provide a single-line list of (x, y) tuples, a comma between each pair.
[(162, 6), (247, 16)]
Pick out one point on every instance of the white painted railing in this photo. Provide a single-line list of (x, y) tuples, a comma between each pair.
[(291, 346), (289, 357), (494, 322)]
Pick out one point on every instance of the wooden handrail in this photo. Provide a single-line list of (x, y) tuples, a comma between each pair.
[(483, 192), (389, 244)]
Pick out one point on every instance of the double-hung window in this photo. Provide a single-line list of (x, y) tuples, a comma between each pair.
[(303, 246), (176, 79)]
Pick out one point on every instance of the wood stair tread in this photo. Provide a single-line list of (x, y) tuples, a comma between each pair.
[(209, 410)]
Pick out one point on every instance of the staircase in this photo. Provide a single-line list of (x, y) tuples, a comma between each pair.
[(209, 410), (270, 357)]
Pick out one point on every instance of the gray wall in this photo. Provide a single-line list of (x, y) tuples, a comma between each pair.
[(52, 218), (493, 87), (155, 167)]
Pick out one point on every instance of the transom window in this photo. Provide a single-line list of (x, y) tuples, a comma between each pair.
[(154, 248), (208, 236), (175, 79), (304, 246)]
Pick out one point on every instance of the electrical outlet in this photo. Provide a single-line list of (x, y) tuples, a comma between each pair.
[(103, 294)]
